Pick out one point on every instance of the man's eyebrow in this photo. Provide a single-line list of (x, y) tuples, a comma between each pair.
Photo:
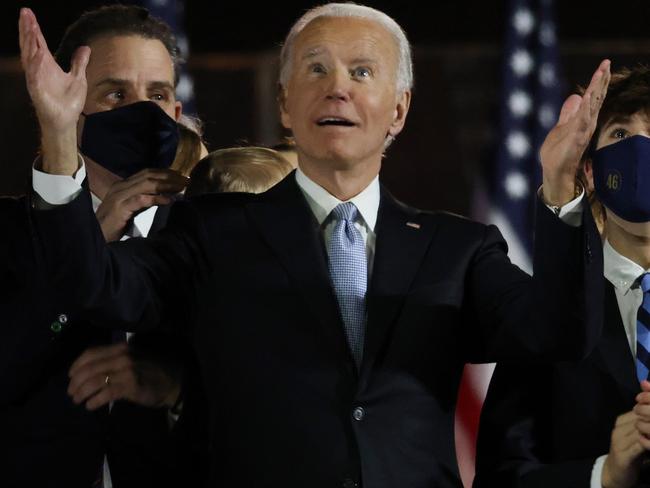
[(364, 61), (617, 119), (164, 85), (313, 52), (112, 82)]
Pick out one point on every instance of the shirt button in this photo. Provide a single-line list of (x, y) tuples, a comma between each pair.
[(63, 318), (358, 413), (348, 483)]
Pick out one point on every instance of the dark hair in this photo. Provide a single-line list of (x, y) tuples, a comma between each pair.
[(627, 94), (116, 20)]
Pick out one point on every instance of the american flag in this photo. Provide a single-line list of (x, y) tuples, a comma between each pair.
[(173, 13), (531, 100)]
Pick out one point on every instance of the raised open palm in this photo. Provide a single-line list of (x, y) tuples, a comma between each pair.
[(58, 97), (566, 142)]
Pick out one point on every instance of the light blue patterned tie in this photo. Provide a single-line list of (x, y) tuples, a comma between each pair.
[(349, 273), (643, 331)]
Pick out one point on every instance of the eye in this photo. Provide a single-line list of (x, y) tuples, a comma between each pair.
[(317, 68), (116, 95), (361, 72), (158, 97), (619, 133)]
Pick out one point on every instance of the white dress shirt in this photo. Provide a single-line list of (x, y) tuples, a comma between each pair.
[(322, 203), (623, 274), (62, 189), (59, 190)]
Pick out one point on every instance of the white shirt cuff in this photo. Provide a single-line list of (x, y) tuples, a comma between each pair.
[(570, 213), (597, 472), (58, 189)]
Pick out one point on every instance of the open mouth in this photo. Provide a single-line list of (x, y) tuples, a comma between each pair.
[(335, 121)]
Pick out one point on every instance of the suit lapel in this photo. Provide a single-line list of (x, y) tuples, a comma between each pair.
[(403, 238), (614, 350), (289, 227)]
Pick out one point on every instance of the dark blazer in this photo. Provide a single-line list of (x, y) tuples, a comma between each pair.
[(545, 425), (51, 441), (287, 405)]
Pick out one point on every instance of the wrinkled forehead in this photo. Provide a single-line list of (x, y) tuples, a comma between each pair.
[(351, 36), (125, 56)]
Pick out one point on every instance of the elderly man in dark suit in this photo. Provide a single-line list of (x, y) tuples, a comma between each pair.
[(332, 322)]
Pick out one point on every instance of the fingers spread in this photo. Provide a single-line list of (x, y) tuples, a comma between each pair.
[(40, 38), (80, 62)]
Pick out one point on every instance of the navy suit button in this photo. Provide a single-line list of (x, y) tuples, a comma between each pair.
[(348, 483), (358, 413)]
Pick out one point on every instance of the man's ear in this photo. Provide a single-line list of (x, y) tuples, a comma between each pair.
[(282, 104), (589, 173), (399, 114), (178, 110), (80, 127)]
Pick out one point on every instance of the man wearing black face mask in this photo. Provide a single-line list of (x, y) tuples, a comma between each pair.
[(575, 424), (128, 139)]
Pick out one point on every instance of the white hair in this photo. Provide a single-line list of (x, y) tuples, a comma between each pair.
[(404, 77)]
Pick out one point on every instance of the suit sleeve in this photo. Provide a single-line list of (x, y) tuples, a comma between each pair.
[(556, 314), (27, 342), (516, 419), (130, 285)]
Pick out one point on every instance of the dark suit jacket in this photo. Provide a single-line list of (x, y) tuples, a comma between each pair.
[(545, 425), (51, 442), (280, 380)]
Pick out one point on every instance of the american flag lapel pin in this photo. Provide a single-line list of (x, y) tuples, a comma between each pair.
[(413, 225)]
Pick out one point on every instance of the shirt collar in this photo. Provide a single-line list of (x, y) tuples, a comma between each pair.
[(141, 223), (95, 201), (322, 202), (619, 270)]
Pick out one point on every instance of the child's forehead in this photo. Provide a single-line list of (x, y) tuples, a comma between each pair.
[(640, 117)]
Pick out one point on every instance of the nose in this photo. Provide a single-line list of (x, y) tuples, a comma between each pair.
[(339, 85)]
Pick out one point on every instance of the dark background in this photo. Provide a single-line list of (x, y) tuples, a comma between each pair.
[(445, 151)]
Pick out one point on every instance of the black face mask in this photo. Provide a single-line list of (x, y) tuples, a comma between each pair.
[(129, 139)]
